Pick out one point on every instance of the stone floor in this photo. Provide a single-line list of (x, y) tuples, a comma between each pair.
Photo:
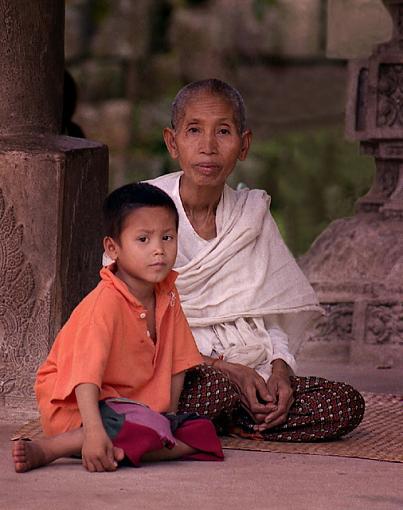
[(245, 480)]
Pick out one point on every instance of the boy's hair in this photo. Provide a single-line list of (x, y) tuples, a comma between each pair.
[(214, 87), (125, 199)]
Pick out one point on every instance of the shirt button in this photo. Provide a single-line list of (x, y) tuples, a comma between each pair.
[(142, 315)]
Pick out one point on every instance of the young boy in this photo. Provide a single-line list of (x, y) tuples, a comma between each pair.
[(120, 359)]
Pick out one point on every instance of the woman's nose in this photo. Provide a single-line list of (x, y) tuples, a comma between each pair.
[(208, 143)]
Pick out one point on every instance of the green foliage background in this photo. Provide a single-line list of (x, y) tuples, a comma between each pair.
[(313, 177)]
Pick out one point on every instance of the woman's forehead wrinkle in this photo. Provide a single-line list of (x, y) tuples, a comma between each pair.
[(206, 113), (208, 117)]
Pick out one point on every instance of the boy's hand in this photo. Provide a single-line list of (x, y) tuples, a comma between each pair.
[(98, 452)]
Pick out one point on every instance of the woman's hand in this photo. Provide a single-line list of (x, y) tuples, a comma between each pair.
[(280, 390), (98, 452), (251, 386)]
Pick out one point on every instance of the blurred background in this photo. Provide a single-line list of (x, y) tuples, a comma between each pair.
[(130, 57)]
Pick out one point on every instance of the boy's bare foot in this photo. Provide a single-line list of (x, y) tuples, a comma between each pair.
[(118, 454), (28, 455)]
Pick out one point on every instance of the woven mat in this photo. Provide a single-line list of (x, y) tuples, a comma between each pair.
[(378, 437), (31, 430)]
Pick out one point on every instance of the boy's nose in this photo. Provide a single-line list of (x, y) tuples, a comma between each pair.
[(158, 249)]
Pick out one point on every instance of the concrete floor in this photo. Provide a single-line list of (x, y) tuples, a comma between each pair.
[(244, 480)]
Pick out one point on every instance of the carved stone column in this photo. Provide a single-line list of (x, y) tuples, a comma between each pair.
[(51, 189), (356, 264)]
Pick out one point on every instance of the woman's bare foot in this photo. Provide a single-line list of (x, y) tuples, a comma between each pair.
[(29, 455)]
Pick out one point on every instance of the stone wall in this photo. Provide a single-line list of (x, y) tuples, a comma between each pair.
[(355, 27), (51, 193), (356, 264), (129, 57)]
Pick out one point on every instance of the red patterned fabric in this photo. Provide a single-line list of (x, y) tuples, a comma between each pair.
[(208, 392), (322, 409)]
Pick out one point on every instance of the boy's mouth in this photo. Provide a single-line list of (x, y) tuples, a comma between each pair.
[(158, 264)]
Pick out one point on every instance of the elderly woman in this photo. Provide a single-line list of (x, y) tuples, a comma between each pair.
[(245, 298)]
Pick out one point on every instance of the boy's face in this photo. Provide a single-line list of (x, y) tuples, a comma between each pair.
[(146, 249), (207, 142)]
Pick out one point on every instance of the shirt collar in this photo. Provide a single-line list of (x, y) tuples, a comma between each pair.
[(108, 276)]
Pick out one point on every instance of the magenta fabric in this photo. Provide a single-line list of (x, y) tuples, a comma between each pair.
[(137, 429), (200, 434), (136, 440), (142, 415)]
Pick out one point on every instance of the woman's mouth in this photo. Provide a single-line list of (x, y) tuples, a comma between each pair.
[(206, 168)]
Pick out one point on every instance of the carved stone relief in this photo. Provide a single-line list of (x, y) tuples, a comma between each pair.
[(24, 319), (336, 325), (385, 183), (390, 96), (357, 262), (384, 324)]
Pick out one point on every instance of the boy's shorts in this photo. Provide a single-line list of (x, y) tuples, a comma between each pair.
[(137, 429)]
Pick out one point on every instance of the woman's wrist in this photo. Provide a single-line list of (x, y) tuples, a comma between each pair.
[(218, 363), (229, 369), (210, 361), (214, 361), (279, 366)]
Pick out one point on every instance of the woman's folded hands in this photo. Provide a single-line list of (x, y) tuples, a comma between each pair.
[(269, 402), (280, 390)]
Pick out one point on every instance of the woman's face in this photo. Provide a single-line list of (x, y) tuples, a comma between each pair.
[(207, 142)]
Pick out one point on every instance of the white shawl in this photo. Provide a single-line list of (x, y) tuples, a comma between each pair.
[(236, 286)]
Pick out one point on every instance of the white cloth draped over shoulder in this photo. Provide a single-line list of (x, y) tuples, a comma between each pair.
[(242, 292)]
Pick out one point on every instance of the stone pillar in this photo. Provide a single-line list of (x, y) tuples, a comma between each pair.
[(51, 190), (356, 264)]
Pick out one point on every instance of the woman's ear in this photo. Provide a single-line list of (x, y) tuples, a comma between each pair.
[(111, 248), (169, 139), (246, 140)]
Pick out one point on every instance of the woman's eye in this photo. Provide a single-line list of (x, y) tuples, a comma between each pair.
[(193, 130), (224, 131)]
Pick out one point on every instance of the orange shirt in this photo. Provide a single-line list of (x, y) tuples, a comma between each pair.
[(105, 342)]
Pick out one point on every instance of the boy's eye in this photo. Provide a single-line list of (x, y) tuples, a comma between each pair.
[(167, 238), (142, 239)]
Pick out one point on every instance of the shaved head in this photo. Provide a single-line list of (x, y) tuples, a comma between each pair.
[(214, 87)]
